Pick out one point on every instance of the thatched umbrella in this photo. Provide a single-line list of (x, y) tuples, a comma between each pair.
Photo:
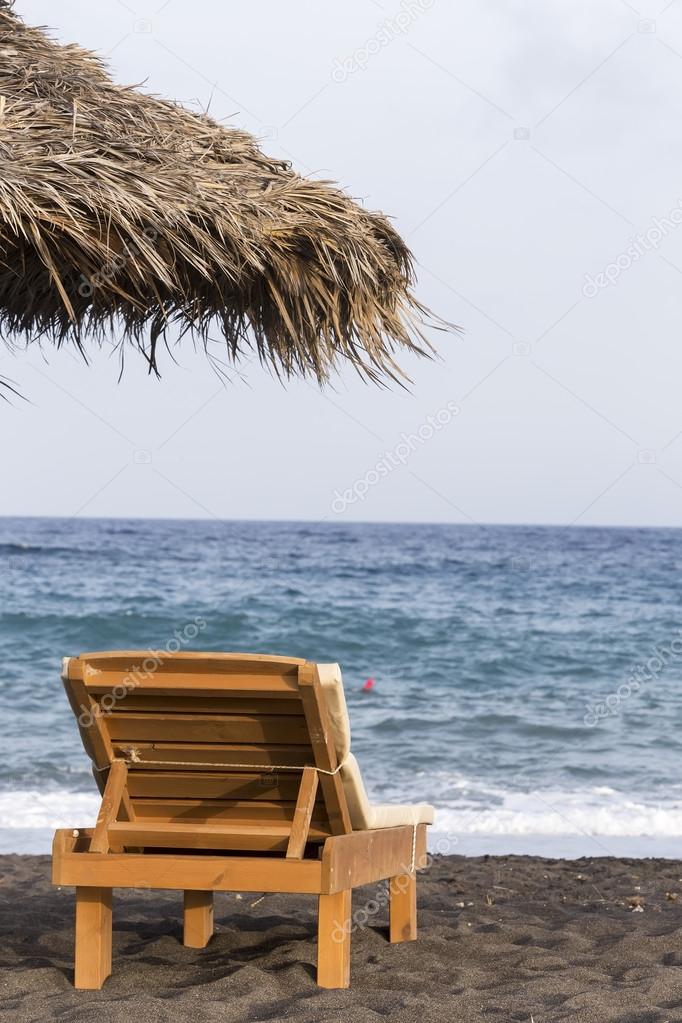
[(123, 215)]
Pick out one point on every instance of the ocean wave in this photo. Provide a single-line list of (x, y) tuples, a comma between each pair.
[(478, 810), (60, 808), (599, 811), (19, 549)]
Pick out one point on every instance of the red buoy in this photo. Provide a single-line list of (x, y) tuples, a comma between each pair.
[(368, 686)]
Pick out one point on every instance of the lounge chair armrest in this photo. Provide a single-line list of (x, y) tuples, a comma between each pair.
[(364, 857)]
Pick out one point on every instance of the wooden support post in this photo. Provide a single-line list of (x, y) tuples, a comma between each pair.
[(111, 803), (198, 919), (403, 907), (93, 937), (302, 814), (333, 939)]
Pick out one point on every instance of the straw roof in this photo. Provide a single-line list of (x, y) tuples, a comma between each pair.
[(129, 217)]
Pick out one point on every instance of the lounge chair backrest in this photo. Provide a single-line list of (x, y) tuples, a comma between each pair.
[(228, 751)]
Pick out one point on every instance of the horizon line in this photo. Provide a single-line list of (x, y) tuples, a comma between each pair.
[(334, 522)]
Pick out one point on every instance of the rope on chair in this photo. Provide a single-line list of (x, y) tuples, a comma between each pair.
[(135, 758)]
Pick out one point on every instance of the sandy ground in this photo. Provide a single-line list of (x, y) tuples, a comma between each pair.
[(501, 939)]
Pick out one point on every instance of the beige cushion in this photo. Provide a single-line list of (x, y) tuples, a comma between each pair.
[(335, 700), (363, 816)]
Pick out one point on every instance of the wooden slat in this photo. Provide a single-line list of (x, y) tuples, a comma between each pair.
[(229, 728), (190, 684), (253, 836), (220, 809), (203, 814), (178, 872), (111, 804), (213, 785), (172, 754), (227, 704), (323, 748), (243, 834), (183, 660), (305, 804)]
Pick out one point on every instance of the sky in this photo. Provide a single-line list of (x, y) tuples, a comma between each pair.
[(529, 152)]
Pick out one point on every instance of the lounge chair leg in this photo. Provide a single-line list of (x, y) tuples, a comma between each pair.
[(333, 939), (403, 907), (93, 937), (198, 929)]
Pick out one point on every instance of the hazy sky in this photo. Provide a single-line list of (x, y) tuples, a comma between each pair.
[(520, 147)]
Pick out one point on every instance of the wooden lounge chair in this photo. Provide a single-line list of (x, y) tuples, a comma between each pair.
[(228, 772)]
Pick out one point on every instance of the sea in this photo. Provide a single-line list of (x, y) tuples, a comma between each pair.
[(527, 681)]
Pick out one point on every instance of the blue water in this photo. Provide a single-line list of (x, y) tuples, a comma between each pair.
[(507, 693)]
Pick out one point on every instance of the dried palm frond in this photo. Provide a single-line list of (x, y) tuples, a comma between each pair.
[(129, 217)]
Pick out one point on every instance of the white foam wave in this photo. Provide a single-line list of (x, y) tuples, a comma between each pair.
[(596, 811), (30, 808), (470, 810)]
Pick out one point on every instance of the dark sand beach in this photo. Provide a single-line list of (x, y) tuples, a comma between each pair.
[(501, 939)]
